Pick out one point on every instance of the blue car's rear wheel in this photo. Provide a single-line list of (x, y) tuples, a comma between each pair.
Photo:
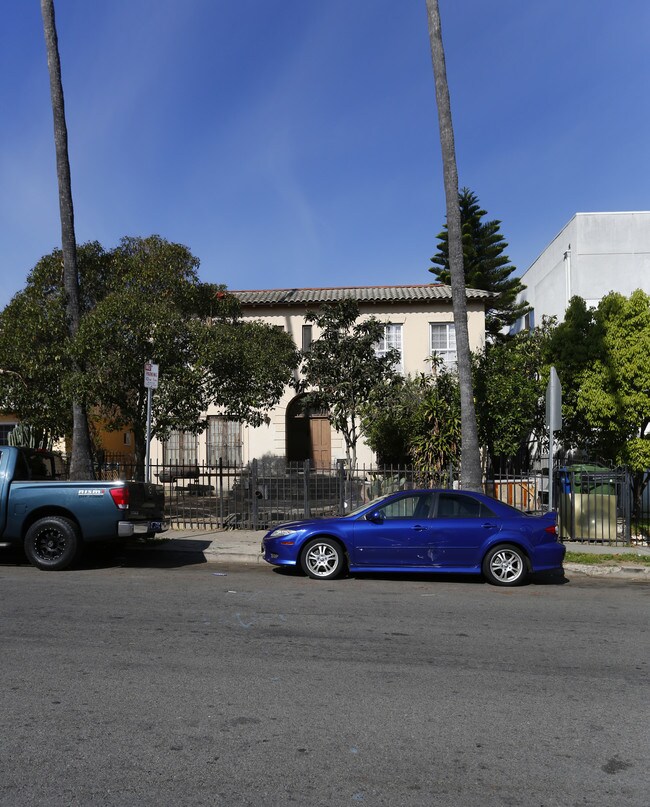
[(505, 565), (322, 559)]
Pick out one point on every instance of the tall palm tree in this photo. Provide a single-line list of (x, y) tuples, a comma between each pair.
[(81, 460), (470, 460)]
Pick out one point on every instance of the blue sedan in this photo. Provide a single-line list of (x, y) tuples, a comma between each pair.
[(422, 531)]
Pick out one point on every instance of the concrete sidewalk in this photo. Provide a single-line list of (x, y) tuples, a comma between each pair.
[(243, 546)]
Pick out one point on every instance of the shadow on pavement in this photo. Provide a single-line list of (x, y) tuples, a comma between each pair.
[(104, 557), (556, 578), (110, 556)]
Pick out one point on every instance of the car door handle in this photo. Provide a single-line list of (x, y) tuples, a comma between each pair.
[(420, 528), (488, 525)]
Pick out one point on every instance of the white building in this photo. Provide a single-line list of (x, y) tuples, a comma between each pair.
[(418, 322), (593, 254)]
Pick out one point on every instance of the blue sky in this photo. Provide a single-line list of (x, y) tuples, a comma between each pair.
[(295, 143)]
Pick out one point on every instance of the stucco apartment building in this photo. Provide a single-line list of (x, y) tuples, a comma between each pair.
[(593, 254), (418, 321)]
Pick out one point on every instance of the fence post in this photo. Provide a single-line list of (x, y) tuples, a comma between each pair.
[(627, 497), (340, 477), (573, 536), (221, 518), (305, 490), (253, 493)]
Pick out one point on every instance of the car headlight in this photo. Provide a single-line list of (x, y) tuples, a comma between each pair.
[(281, 532)]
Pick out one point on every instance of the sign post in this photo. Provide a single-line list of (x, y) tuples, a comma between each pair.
[(553, 423), (150, 383)]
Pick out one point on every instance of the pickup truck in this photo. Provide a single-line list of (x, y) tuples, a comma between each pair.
[(52, 518)]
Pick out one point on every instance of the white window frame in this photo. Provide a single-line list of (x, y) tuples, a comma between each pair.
[(392, 338), (446, 346)]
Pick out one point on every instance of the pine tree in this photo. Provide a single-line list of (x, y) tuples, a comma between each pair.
[(486, 265)]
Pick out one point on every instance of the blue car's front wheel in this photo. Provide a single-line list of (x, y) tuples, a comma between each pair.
[(322, 559)]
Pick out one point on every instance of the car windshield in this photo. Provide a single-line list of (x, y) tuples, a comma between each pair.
[(374, 503)]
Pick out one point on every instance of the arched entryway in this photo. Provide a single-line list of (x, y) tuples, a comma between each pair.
[(308, 435)]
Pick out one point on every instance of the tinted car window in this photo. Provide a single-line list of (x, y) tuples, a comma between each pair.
[(33, 465), (452, 505), (408, 507), (21, 472), (40, 466)]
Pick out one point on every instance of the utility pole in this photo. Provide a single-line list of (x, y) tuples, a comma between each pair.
[(553, 423), (150, 383)]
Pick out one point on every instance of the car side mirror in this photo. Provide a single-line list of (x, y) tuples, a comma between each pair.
[(376, 517)]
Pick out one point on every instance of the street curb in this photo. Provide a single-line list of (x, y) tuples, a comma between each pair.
[(603, 570)]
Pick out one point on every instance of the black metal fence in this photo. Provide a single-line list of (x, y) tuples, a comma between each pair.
[(263, 493)]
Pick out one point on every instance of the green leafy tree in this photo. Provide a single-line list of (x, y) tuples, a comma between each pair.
[(155, 307), (485, 264), (470, 456), (511, 379), (248, 365), (573, 347), (388, 420), (416, 421), (435, 444), (142, 301), (614, 392), (342, 369), (35, 349)]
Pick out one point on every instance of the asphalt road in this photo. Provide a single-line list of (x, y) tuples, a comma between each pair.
[(196, 684)]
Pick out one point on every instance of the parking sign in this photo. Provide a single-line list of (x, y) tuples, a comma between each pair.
[(150, 375)]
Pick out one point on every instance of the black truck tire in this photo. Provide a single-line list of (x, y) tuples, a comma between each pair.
[(52, 543)]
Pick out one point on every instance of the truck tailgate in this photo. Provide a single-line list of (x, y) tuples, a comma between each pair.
[(146, 502)]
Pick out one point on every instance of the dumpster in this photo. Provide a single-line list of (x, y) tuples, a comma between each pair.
[(584, 478), (587, 503)]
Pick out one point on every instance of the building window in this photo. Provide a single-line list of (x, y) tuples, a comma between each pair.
[(5, 431), (529, 321), (443, 342), (224, 441), (306, 338), (180, 449), (392, 340)]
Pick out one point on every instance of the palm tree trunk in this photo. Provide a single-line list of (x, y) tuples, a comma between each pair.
[(81, 460), (470, 460)]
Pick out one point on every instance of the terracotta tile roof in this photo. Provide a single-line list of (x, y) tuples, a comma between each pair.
[(368, 294)]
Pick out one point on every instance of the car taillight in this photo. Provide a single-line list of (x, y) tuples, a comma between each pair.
[(120, 497), (552, 529)]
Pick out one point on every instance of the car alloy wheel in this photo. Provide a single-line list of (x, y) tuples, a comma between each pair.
[(322, 559), (505, 566)]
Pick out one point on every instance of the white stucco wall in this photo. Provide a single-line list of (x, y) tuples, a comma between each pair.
[(593, 254), (414, 317)]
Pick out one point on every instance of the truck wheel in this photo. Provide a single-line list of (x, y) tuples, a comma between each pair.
[(52, 543)]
